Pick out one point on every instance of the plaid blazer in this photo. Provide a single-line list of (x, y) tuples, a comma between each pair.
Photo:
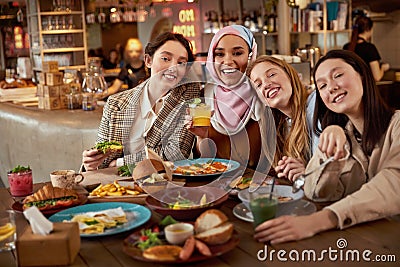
[(168, 136)]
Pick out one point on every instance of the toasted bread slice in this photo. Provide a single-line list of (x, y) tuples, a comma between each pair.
[(209, 219), (162, 253), (218, 235)]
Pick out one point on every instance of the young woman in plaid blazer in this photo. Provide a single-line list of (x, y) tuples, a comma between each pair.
[(150, 115)]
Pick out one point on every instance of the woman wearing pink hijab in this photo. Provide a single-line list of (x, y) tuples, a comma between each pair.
[(235, 125)]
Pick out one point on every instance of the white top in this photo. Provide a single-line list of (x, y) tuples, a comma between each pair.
[(143, 121)]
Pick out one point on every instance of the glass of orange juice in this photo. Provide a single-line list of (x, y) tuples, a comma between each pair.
[(200, 112)]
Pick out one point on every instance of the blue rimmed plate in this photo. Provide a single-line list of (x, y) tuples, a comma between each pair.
[(231, 166), (136, 215)]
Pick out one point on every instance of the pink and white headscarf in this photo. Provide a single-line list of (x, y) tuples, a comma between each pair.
[(238, 99)]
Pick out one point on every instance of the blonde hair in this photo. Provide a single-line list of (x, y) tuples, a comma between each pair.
[(296, 141)]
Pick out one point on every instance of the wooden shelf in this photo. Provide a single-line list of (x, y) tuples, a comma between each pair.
[(38, 51), (62, 50), (60, 13), (63, 31), (75, 67)]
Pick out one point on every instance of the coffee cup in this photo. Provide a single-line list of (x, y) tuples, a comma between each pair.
[(65, 178)]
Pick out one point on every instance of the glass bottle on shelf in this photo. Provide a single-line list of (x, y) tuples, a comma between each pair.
[(272, 17), (214, 21), (233, 18), (260, 21), (246, 19), (253, 21), (207, 22)]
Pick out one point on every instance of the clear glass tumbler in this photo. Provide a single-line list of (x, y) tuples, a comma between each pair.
[(8, 232)]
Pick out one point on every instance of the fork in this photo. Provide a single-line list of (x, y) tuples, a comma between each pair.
[(299, 182)]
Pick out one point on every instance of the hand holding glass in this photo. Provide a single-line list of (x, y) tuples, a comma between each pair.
[(201, 114)]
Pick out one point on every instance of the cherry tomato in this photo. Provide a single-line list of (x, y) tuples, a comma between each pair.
[(144, 238)]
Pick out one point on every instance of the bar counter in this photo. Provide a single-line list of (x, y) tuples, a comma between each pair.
[(44, 139)]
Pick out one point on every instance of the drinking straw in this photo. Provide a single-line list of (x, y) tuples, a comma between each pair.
[(272, 188)]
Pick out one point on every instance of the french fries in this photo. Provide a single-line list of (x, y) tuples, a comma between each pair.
[(115, 189)]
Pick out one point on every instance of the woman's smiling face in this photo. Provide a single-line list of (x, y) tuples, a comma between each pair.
[(340, 87), (273, 84), (231, 55), (168, 63)]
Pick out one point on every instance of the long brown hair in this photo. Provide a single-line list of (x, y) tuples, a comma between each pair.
[(361, 25), (294, 142), (377, 114)]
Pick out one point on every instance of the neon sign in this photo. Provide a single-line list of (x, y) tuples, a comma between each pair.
[(187, 26)]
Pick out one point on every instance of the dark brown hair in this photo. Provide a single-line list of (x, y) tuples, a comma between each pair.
[(361, 25), (377, 114), (161, 39)]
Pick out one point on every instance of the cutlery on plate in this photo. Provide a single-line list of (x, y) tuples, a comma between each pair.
[(299, 182)]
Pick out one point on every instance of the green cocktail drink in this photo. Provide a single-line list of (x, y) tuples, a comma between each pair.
[(263, 208)]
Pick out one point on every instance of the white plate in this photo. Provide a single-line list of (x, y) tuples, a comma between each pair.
[(303, 207)]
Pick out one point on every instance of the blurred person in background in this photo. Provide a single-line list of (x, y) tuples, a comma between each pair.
[(134, 71), (112, 61), (91, 53), (360, 44)]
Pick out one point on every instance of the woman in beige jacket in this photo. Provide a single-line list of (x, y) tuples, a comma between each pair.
[(362, 134)]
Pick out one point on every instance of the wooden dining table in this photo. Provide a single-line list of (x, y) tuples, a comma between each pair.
[(374, 243)]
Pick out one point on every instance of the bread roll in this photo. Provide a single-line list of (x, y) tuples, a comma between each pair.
[(209, 219), (218, 235)]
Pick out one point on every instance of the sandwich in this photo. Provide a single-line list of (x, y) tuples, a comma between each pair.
[(162, 253), (241, 182), (109, 147), (49, 197)]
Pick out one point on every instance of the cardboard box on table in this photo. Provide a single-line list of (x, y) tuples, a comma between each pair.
[(65, 89), (63, 101), (50, 66), (51, 90), (60, 247), (54, 78), (40, 90), (51, 103), (41, 76)]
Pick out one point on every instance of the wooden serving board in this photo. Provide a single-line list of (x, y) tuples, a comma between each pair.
[(107, 176)]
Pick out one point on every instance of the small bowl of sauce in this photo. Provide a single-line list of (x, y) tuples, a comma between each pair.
[(176, 234)]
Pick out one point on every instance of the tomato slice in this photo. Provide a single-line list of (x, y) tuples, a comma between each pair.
[(64, 203)]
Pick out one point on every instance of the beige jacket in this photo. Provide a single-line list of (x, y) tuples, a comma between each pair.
[(365, 188)]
